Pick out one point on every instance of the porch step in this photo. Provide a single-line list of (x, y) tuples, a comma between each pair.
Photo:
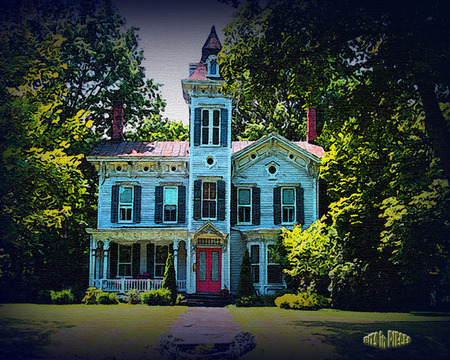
[(206, 300)]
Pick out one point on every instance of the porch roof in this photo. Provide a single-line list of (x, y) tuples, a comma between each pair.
[(139, 233)]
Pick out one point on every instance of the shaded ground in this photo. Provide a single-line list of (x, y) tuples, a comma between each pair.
[(331, 334), (30, 331)]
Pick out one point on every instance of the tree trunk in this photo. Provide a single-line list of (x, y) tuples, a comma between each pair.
[(435, 125)]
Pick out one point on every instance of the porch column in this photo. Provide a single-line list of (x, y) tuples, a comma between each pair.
[(175, 257), (92, 248), (105, 259)]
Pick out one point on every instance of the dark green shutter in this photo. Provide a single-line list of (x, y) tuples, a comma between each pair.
[(256, 206), (181, 204), (221, 200), (197, 199), (151, 260), (159, 191), (113, 255), (115, 203), (233, 205), (224, 127), (277, 205), (136, 260), (137, 204), (300, 202), (197, 126)]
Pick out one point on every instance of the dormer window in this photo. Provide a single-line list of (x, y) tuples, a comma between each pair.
[(212, 67)]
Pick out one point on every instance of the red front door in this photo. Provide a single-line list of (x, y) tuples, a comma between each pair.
[(208, 270)]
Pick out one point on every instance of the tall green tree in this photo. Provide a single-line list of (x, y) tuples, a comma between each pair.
[(42, 188), (376, 72)]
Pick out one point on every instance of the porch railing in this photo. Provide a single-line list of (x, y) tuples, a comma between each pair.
[(124, 285)]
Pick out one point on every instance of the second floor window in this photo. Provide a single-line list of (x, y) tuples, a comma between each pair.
[(288, 205), (209, 200), (125, 204), (244, 206), (170, 204), (211, 127)]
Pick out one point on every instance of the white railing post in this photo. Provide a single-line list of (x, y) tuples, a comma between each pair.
[(105, 259)]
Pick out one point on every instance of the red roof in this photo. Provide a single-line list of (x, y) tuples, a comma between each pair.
[(173, 148)]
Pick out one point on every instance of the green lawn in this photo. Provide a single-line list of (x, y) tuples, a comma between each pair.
[(332, 334), (82, 331)]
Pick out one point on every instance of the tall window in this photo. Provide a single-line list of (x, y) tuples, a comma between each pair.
[(161, 253), (273, 268), (124, 260), (254, 260), (210, 127), (126, 204), (170, 204), (288, 205), (209, 201), (244, 206)]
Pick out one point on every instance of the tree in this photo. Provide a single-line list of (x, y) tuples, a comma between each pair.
[(42, 189), (170, 280), (376, 73), (245, 282)]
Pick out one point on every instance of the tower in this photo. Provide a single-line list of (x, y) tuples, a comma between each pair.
[(209, 162)]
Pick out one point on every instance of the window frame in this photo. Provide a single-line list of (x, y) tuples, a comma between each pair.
[(215, 200), (164, 205), (210, 127), (293, 206), (121, 206), (209, 64), (271, 264), (250, 206), (155, 263), (119, 262)]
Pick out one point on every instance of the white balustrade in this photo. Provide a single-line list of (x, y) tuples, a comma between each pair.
[(124, 285)]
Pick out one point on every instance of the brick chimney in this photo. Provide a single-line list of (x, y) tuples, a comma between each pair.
[(117, 122), (311, 131)]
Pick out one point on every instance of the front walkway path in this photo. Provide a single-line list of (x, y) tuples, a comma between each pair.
[(205, 325)]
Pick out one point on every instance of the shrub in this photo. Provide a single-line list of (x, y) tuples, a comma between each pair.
[(105, 298), (170, 280), (62, 297), (134, 297), (180, 298), (245, 284), (157, 297), (247, 301), (90, 297), (302, 301)]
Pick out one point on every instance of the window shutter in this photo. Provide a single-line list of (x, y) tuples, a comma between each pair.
[(220, 200), (151, 260), (224, 127), (181, 204), (159, 191), (137, 204), (277, 205), (300, 202), (197, 199), (136, 260), (197, 126), (233, 205), (115, 204), (113, 255), (256, 206)]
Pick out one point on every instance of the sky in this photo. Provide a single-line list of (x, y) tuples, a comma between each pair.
[(172, 33)]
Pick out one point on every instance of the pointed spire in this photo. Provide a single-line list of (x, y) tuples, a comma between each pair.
[(212, 45)]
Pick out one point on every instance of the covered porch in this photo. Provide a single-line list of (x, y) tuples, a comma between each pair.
[(135, 258)]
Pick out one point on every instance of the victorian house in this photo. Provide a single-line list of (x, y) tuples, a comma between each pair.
[(206, 199)]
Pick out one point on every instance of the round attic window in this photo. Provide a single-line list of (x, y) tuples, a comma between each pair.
[(291, 156), (173, 168), (210, 160), (272, 169), (253, 156), (118, 168), (146, 168)]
